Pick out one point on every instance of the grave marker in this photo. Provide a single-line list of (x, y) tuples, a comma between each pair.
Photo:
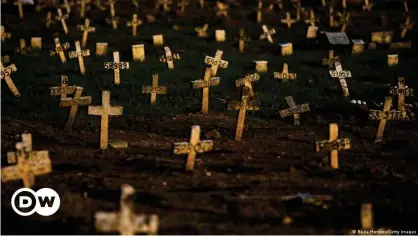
[(158, 39), (36, 43), (333, 145), (134, 23), (383, 37), (5, 59), (401, 91), (59, 49), (5, 74), (399, 45), (183, 5), (60, 17), (267, 34), (332, 22), (82, 8), (48, 19), (202, 31), (358, 46), (216, 62), (116, 66), (101, 49), (64, 89), (126, 222), (311, 32), (222, 9), (164, 3), (154, 89), (4, 35), (259, 11), (288, 21), (67, 6), (286, 49), (105, 111), (294, 110), (193, 147), (344, 18), (261, 66), (248, 78), (341, 75), (208, 81), (78, 53), (19, 4), (405, 5), (220, 36), (312, 19), (337, 38), (285, 75), (86, 30), (367, 6), (406, 26), (138, 52), (169, 58), (22, 147), (242, 40), (393, 59), (74, 102)]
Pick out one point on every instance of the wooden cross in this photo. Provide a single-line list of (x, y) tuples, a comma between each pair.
[(64, 89), (19, 4), (67, 6), (48, 19), (312, 19), (59, 49), (294, 110), (5, 59), (405, 6), (330, 60), (22, 47), (191, 148), (113, 18), (105, 111), (202, 31), (116, 66), (4, 35), (134, 23), (332, 22), (222, 9), (341, 75), (288, 20), (164, 3), (406, 26), (182, 4), (62, 19), (401, 91), (344, 3), (344, 18), (259, 11), (29, 164), (267, 34), (333, 145), (74, 102), (285, 75), (242, 106), (126, 222), (82, 9), (154, 89), (78, 53), (24, 146), (367, 6), (86, 29), (169, 58), (383, 116), (216, 62), (208, 81), (242, 40), (299, 9), (382, 37), (5, 74), (247, 82)]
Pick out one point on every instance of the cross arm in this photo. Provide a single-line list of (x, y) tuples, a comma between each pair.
[(211, 61), (142, 226), (66, 102), (8, 71), (157, 89), (106, 222), (10, 173), (83, 53), (206, 83), (57, 91), (41, 164), (339, 144), (116, 65)]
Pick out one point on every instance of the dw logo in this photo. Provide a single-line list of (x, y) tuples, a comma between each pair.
[(45, 201)]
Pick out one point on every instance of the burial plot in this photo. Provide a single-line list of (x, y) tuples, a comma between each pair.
[(36, 43), (341, 75), (6, 73), (4, 34), (86, 30), (401, 91), (202, 31), (126, 222), (294, 110), (116, 66), (154, 89), (333, 145), (169, 58), (193, 147), (216, 62), (134, 24), (74, 102), (138, 52), (267, 34), (285, 75), (208, 81), (60, 49), (60, 17), (79, 54), (64, 89), (105, 111)]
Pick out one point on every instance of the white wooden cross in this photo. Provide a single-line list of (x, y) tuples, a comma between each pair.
[(294, 110), (59, 49), (406, 26), (191, 148), (401, 91), (86, 30), (105, 111), (288, 20), (19, 4), (134, 23), (154, 89), (116, 66), (60, 17), (126, 222), (341, 75), (202, 31), (5, 74), (74, 102), (79, 54), (285, 75), (169, 58), (64, 89), (216, 62), (267, 34), (4, 35), (28, 163), (208, 81)]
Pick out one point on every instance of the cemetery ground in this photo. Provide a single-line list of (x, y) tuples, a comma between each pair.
[(236, 188)]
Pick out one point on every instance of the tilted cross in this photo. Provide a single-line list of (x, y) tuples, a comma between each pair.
[(5, 74), (5, 59), (330, 60), (383, 116), (19, 4), (367, 6), (333, 145), (116, 66), (169, 58), (105, 111), (126, 222), (60, 17), (401, 91), (86, 30), (191, 148), (341, 75), (134, 23), (208, 81), (406, 26), (222, 9), (288, 20), (64, 89), (294, 110), (344, 18), (79, 54), (4, 35), (216, 62), (59, 49), (29, 164), (285, 75), (247, 82), (267, 34), (74, 102), (154, 89), (202, 31)]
